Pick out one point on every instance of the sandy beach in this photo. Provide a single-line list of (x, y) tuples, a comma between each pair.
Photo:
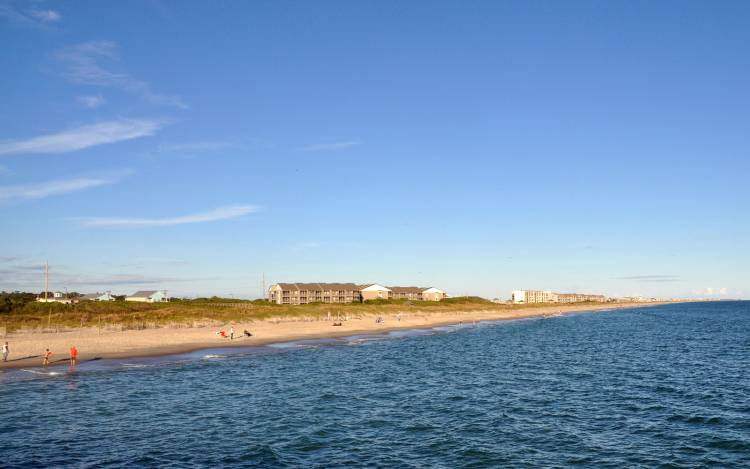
[(26, 348)]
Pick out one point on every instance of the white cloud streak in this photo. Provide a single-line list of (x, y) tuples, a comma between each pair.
[(711, 291), (331, 146), (91, 102), (221, 213), (651, 278), (84, 137), (58, 187), (83, 67), (35, 18), (46, 16)]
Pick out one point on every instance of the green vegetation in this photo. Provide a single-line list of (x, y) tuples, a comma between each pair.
[(20, 311)]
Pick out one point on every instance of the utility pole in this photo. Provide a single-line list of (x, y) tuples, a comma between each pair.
[(263, 290), (46, 287)]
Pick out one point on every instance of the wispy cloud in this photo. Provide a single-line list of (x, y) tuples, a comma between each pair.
[(651, 278), (29, 277), (46, 16), (221, 213), (90, 101), (34, 18), (83, 66), (58, 187), (331, 145), (194, 147), (711, 291), (123, 279), (84, 137), (150, 262)]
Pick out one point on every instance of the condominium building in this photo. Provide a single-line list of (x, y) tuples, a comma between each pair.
[(303, 293), (579, 297), (538, 296), (533, 296)]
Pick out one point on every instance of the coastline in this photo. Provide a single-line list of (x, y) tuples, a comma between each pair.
[(26, 347)]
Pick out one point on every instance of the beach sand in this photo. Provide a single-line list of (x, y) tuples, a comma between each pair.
[(26, 348)]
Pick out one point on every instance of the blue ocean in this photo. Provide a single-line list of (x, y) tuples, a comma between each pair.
[(665, 386)]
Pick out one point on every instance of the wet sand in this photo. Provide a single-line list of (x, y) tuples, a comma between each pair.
[(26, 348)]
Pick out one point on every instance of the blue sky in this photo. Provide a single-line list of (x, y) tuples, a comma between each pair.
[(480, 147)]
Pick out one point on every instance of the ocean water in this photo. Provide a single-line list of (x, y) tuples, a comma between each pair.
[(667, 386)]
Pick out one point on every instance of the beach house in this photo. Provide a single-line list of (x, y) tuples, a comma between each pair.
[(107, 296), (375, 292), (56, 297), (149, 296), (433, 294)]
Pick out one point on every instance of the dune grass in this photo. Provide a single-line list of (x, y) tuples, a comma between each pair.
[(215, 311)]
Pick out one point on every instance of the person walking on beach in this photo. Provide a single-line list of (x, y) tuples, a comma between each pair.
[(231, 333), (5, 352), (73, 355), (46, 356)]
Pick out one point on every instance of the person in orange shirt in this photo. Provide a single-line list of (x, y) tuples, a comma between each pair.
[(46, 356), (73, 355)]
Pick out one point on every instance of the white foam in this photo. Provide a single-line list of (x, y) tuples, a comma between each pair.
[(45, 373)]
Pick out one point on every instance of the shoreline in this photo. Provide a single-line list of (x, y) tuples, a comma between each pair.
[(26, 348)]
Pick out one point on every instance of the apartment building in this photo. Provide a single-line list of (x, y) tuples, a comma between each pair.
[(539, 296), (406, 293), (579, 297), (303, 293), (533, 296)]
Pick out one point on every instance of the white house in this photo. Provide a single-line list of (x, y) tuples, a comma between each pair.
[(57, 297), (375, 292), (149, 296), (107, 296), (433, 294)]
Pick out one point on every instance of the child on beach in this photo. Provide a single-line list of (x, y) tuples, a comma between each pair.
[(46, 356), (5, 352), (231, 333)]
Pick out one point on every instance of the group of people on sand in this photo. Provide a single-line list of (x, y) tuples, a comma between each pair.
[(73, 356), (45, 356), (224, 335)]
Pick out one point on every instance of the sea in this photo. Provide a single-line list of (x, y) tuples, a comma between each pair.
[(657, 387)]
